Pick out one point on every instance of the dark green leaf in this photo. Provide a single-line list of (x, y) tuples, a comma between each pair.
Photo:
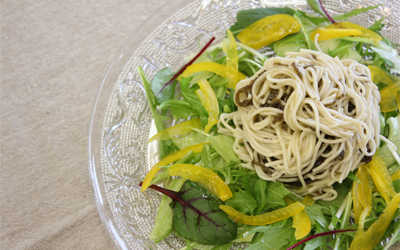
[(247, 17), (243, 201), (354, 12), (197, 216), (158, 82), (236, 29)]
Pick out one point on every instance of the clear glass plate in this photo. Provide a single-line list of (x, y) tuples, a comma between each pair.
[(119, 156)]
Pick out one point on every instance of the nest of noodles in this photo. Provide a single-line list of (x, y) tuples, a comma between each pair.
[(306, 120)]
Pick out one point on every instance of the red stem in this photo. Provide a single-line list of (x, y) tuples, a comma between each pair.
[(320, 234), (188, 64), (326, 13)]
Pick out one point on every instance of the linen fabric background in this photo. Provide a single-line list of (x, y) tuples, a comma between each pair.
[(54, 55)]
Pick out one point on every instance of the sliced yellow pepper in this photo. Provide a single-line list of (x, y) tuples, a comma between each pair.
[(301, 222), (207, 177), (178, 129), (381, 177), (378, 75), (326, 34), (209, 100), (263, 219), (365, 187), (368, 240), (395, 175), (232, 59), (169, 159), (216, 68), (308, 200), (389, 97), (268, 30), (390, 94), (366, 33), (357, 206)]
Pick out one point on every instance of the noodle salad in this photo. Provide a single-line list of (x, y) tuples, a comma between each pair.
[(285, 135)]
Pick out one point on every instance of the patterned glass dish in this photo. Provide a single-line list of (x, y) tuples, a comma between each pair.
[(119, 156)]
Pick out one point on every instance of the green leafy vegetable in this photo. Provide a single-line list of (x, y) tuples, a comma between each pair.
[(197, 216), (158, 82), (378, 25), (188, 93), (309, 42), (223, 145), (317, 6), (260, 195), (275, 236), (179, 109), (247, 17), (163, 224), (166, 147), (276, 193), (243, 201)]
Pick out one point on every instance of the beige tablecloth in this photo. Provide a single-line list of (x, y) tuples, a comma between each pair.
[(54, 55)]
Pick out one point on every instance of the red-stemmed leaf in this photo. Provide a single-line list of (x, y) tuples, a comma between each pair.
[(188, 64), (318, 235), (197, 215), (317, 6)]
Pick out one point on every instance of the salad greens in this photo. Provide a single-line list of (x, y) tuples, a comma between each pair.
[(191, 212)]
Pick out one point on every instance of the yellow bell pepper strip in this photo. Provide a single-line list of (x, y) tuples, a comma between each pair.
[(395, 175), (268, 30), (381, 177), (206, 177), (266, 218), (209, 100), (326, 34), (378, 75), (216, 68), (357, 206), (178, 129), (169, 159), (369, 239), (308, 200), (389, 94), (366, 33), (232, 59), (389, 97), (365, 187), (301, 222)]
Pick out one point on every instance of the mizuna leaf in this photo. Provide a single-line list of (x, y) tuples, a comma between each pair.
[(197, 216)]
